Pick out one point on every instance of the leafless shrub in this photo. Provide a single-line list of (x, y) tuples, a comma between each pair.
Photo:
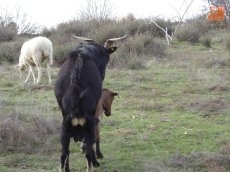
[(9, 51), (62, 42), (143, 44), (189, 33), (206, 41), (77, 27), (107, 30), (17, 22), (45, 126), (156, 31), (8, 33), (17, 134), (201, 23), (136, 51), (132, 27), (136, 64), (14, 133), (228, 44)]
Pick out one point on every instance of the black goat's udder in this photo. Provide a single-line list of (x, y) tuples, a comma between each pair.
[(78, 121)]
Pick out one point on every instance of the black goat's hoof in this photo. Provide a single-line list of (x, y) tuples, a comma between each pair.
[(99, 155), (96, 164)]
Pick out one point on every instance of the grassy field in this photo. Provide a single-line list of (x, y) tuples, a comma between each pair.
[(172, 116)]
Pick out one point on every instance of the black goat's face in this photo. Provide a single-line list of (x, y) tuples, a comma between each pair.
[(105, 59), (99, 53)]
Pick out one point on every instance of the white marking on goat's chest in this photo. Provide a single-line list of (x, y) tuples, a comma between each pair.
[(78, 121)]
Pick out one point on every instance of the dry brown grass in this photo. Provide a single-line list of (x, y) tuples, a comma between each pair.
[(18, 135), (201, 160), (210, 106)]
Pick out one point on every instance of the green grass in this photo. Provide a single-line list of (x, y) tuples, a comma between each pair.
[(171, 116)]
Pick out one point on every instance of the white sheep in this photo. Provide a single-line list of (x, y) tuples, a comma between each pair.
[(33, 53)]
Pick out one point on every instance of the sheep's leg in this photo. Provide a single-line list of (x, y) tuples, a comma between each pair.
[(27, 76), (30, 71), (39, 74), (48, 72), (33, 74)]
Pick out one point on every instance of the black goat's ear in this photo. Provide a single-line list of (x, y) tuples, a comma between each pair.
[(112, 49)]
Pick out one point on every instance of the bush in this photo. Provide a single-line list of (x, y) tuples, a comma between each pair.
[(206, 40), (17, 135), (7, 34), (132, 27), (141, 47), (106, 31), (201, 23), (136, 64), (62, 43), (60, 53), (145, 45), (10, 51), (228, 43), (189, 33), (156, 31)]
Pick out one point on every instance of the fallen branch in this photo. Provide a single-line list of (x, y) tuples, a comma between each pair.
[(164, 30)]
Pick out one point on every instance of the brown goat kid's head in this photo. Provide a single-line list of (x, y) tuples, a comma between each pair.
[(107, 100)]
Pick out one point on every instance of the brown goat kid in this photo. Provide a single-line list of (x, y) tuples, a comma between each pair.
[(104, 106)]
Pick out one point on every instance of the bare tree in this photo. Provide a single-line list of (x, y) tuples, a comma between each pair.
[(8, 28), (24, 25), (97, 11), (17, 21)]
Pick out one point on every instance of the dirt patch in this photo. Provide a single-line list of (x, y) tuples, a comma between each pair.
[(225, 150), (218, 88), (210, 107), (201, 161), (38, 87), (154, 166)]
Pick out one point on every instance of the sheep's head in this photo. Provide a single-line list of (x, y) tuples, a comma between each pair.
[(21, 66)]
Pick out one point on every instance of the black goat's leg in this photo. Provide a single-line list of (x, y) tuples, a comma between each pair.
[(65, 141), (90, 151)]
